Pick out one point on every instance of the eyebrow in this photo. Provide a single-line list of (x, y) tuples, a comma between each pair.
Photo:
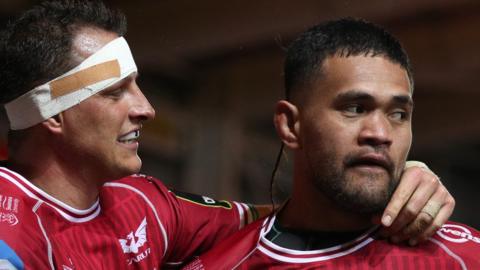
[(354, 95), (132, 76), (359, 95), (403, 100)]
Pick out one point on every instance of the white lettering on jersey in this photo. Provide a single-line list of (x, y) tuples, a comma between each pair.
[(8, 203), (135, 241), (208, 200), (9, 209), (457, 234), (140, 256), (10, 218)]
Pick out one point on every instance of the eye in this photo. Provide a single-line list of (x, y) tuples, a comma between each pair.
[(353, 110), (114, 93), (399, 115)]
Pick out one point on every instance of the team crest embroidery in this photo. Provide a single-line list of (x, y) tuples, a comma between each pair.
[(457, 234), (134, 241)]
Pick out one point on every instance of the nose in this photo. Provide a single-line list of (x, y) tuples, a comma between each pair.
[(375, 131), (141, 109)]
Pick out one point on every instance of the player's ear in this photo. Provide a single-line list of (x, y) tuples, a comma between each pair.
[(54, 124), (286, 120)]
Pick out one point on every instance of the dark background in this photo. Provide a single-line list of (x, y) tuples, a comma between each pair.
[(213, 71)]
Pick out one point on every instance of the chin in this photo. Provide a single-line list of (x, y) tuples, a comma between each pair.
[(368, 199), (369, 176), (128, 168), (362, 203), (135, 167), (366, 194)]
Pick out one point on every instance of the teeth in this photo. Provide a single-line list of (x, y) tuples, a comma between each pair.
[(130, 137)]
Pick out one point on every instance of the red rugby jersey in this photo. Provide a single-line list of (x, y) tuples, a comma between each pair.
[(137, 223), (455, 246)]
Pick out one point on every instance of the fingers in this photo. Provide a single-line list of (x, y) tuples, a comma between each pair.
[(412, 179), (425, 218), (446, 210), (419, 207), (422, 198), (414, 163)]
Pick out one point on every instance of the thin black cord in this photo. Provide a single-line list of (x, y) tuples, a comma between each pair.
[(274, 173)]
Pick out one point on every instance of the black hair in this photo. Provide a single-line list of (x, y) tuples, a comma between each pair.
[(343, 37), (36, 47)]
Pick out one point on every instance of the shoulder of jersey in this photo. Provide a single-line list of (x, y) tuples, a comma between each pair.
[(139, 179), (9, 188), (140, 182), (11, 185), (16, 201)]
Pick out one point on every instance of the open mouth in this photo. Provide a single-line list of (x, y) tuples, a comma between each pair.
[(130, 137), (371, 162)]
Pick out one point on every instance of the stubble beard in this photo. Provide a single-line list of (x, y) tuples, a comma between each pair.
[(366, 196)]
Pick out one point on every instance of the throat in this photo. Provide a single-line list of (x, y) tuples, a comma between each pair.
[(72, 189)]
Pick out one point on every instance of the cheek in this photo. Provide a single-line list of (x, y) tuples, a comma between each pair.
[(404, 142), (325, 131), (323, 143)]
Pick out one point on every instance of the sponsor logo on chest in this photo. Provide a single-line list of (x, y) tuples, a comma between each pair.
[(457, 234)]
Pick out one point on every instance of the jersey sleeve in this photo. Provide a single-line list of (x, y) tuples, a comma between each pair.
[(203, 222), (460, 242), (231, 251), (19, 236), (195, 223)]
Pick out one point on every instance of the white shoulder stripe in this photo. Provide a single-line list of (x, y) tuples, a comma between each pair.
[(62, 213), (49, 245), (241, 214), (449, 252), (144, 197), (75, 211)]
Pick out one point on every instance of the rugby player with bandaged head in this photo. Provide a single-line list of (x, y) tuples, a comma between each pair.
[(68, 82)]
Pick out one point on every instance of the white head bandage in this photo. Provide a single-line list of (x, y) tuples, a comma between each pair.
[(107, 66)]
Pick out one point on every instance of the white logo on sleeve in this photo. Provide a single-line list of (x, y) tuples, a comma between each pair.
[(457, 234), (8, 210), (134, 241)]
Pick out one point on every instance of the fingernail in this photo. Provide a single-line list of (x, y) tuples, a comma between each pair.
[(387, 220), (413, 242)]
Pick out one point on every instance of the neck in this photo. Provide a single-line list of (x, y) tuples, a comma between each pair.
[(309, 209), (67, 183), (320, 214)]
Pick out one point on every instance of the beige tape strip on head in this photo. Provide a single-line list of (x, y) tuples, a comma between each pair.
[(109, 65), (84, 78)]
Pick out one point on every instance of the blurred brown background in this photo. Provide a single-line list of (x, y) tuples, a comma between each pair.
[(213, 71)]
